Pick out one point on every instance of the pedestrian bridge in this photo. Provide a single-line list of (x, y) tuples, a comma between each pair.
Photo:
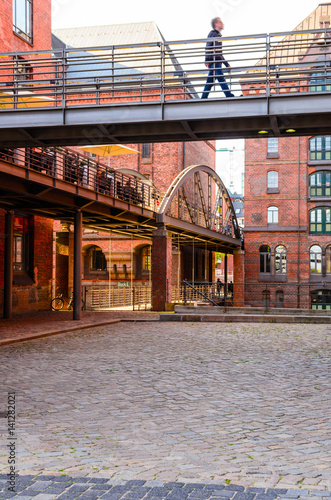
[(151, 92), (57, 182)]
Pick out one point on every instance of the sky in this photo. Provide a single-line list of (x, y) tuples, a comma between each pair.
[(180, 19), (183, 20)]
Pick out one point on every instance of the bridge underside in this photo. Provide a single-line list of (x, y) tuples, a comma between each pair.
[(56, 199), (173, 121)]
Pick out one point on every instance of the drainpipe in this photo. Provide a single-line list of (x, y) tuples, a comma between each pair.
[(298, 263)]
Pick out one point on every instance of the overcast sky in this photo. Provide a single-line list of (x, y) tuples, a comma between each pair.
[(182, 19)]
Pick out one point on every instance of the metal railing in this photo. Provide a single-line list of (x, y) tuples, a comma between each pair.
[(136, 297), (74, 168), (256, 296), (264, 64)]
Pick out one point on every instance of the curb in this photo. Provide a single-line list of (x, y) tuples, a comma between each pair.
[(244, 318), (50, 333)]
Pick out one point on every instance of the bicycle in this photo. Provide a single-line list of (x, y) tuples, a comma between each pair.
[(58, 302)]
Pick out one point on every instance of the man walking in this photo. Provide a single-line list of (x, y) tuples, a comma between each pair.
[(214, 59)]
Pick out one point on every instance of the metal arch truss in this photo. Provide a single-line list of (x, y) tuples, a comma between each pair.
[(198, 196)]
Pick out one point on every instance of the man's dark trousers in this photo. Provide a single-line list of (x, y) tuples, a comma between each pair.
[(215, 72)]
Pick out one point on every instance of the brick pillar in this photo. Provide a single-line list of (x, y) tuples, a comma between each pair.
[(161, 268), (238, 278)]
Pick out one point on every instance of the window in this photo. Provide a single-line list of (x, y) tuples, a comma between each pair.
[(315, 258), (320, 148), (22, 19), (272, 145), (320, 220), (320, 184), (321, 299), (265, 259), (272, 215), (328, 259), (21, 244), (98, 260), (320, 82), (146, 151), (273, 179), (280, 260), (146, 259)]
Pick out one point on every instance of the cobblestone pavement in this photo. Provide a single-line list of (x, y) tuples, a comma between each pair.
[(227, 404), (69, 488)]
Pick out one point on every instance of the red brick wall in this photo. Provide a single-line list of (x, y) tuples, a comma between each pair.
[(161, 270), (10, 42)]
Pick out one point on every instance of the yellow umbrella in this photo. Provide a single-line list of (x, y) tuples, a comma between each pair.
[(23, 99), (109, 150)]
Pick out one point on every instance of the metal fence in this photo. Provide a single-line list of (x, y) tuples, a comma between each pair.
[(136, 297), (74, 168), (276, 63), (255, 295)]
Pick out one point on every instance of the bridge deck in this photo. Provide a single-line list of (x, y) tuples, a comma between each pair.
[(151, 92)]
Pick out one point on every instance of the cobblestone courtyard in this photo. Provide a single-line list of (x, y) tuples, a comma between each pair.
[(232, 403)]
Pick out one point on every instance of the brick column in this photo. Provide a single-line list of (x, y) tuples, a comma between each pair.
[(161, 268), (238, 278)]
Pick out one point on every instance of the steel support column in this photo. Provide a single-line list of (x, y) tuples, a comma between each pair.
[(9, 264), (78, 237)]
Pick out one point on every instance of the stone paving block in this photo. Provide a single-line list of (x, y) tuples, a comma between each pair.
[(224, 494), (135, 482), (234, 487), (154, 483), (244, 496), (90, 495), (100, 480), (110, 496), (251, 489), (101, 487), (44, 496)]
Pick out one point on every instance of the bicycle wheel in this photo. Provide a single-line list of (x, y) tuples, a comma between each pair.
[(57, 304)]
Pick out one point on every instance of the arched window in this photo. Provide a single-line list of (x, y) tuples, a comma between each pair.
[(280, 259), (315, 257), (320, 148), (265, 259), (320, 220), (272, 179), (98, 260), (320, 184), (272, 215)]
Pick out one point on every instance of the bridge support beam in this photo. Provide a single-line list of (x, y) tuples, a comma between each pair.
[(78, 237), (161, 268), (238, 278), (9, 264)]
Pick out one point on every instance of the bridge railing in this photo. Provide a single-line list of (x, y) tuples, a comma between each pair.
[(264, 64), (74, 168)]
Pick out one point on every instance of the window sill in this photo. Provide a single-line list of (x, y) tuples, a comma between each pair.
[(273, 279), (272, 190), (273, 155), (23, 38), (314, 163)]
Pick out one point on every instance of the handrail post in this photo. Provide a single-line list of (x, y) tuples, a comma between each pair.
[(162, 94)]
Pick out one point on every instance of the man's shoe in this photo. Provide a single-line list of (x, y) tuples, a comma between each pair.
[(230, 95)]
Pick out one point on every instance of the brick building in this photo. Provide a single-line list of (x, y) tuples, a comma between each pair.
[(287, 203), (26, 26)]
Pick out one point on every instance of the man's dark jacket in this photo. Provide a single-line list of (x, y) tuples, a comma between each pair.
[(214, 49)]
